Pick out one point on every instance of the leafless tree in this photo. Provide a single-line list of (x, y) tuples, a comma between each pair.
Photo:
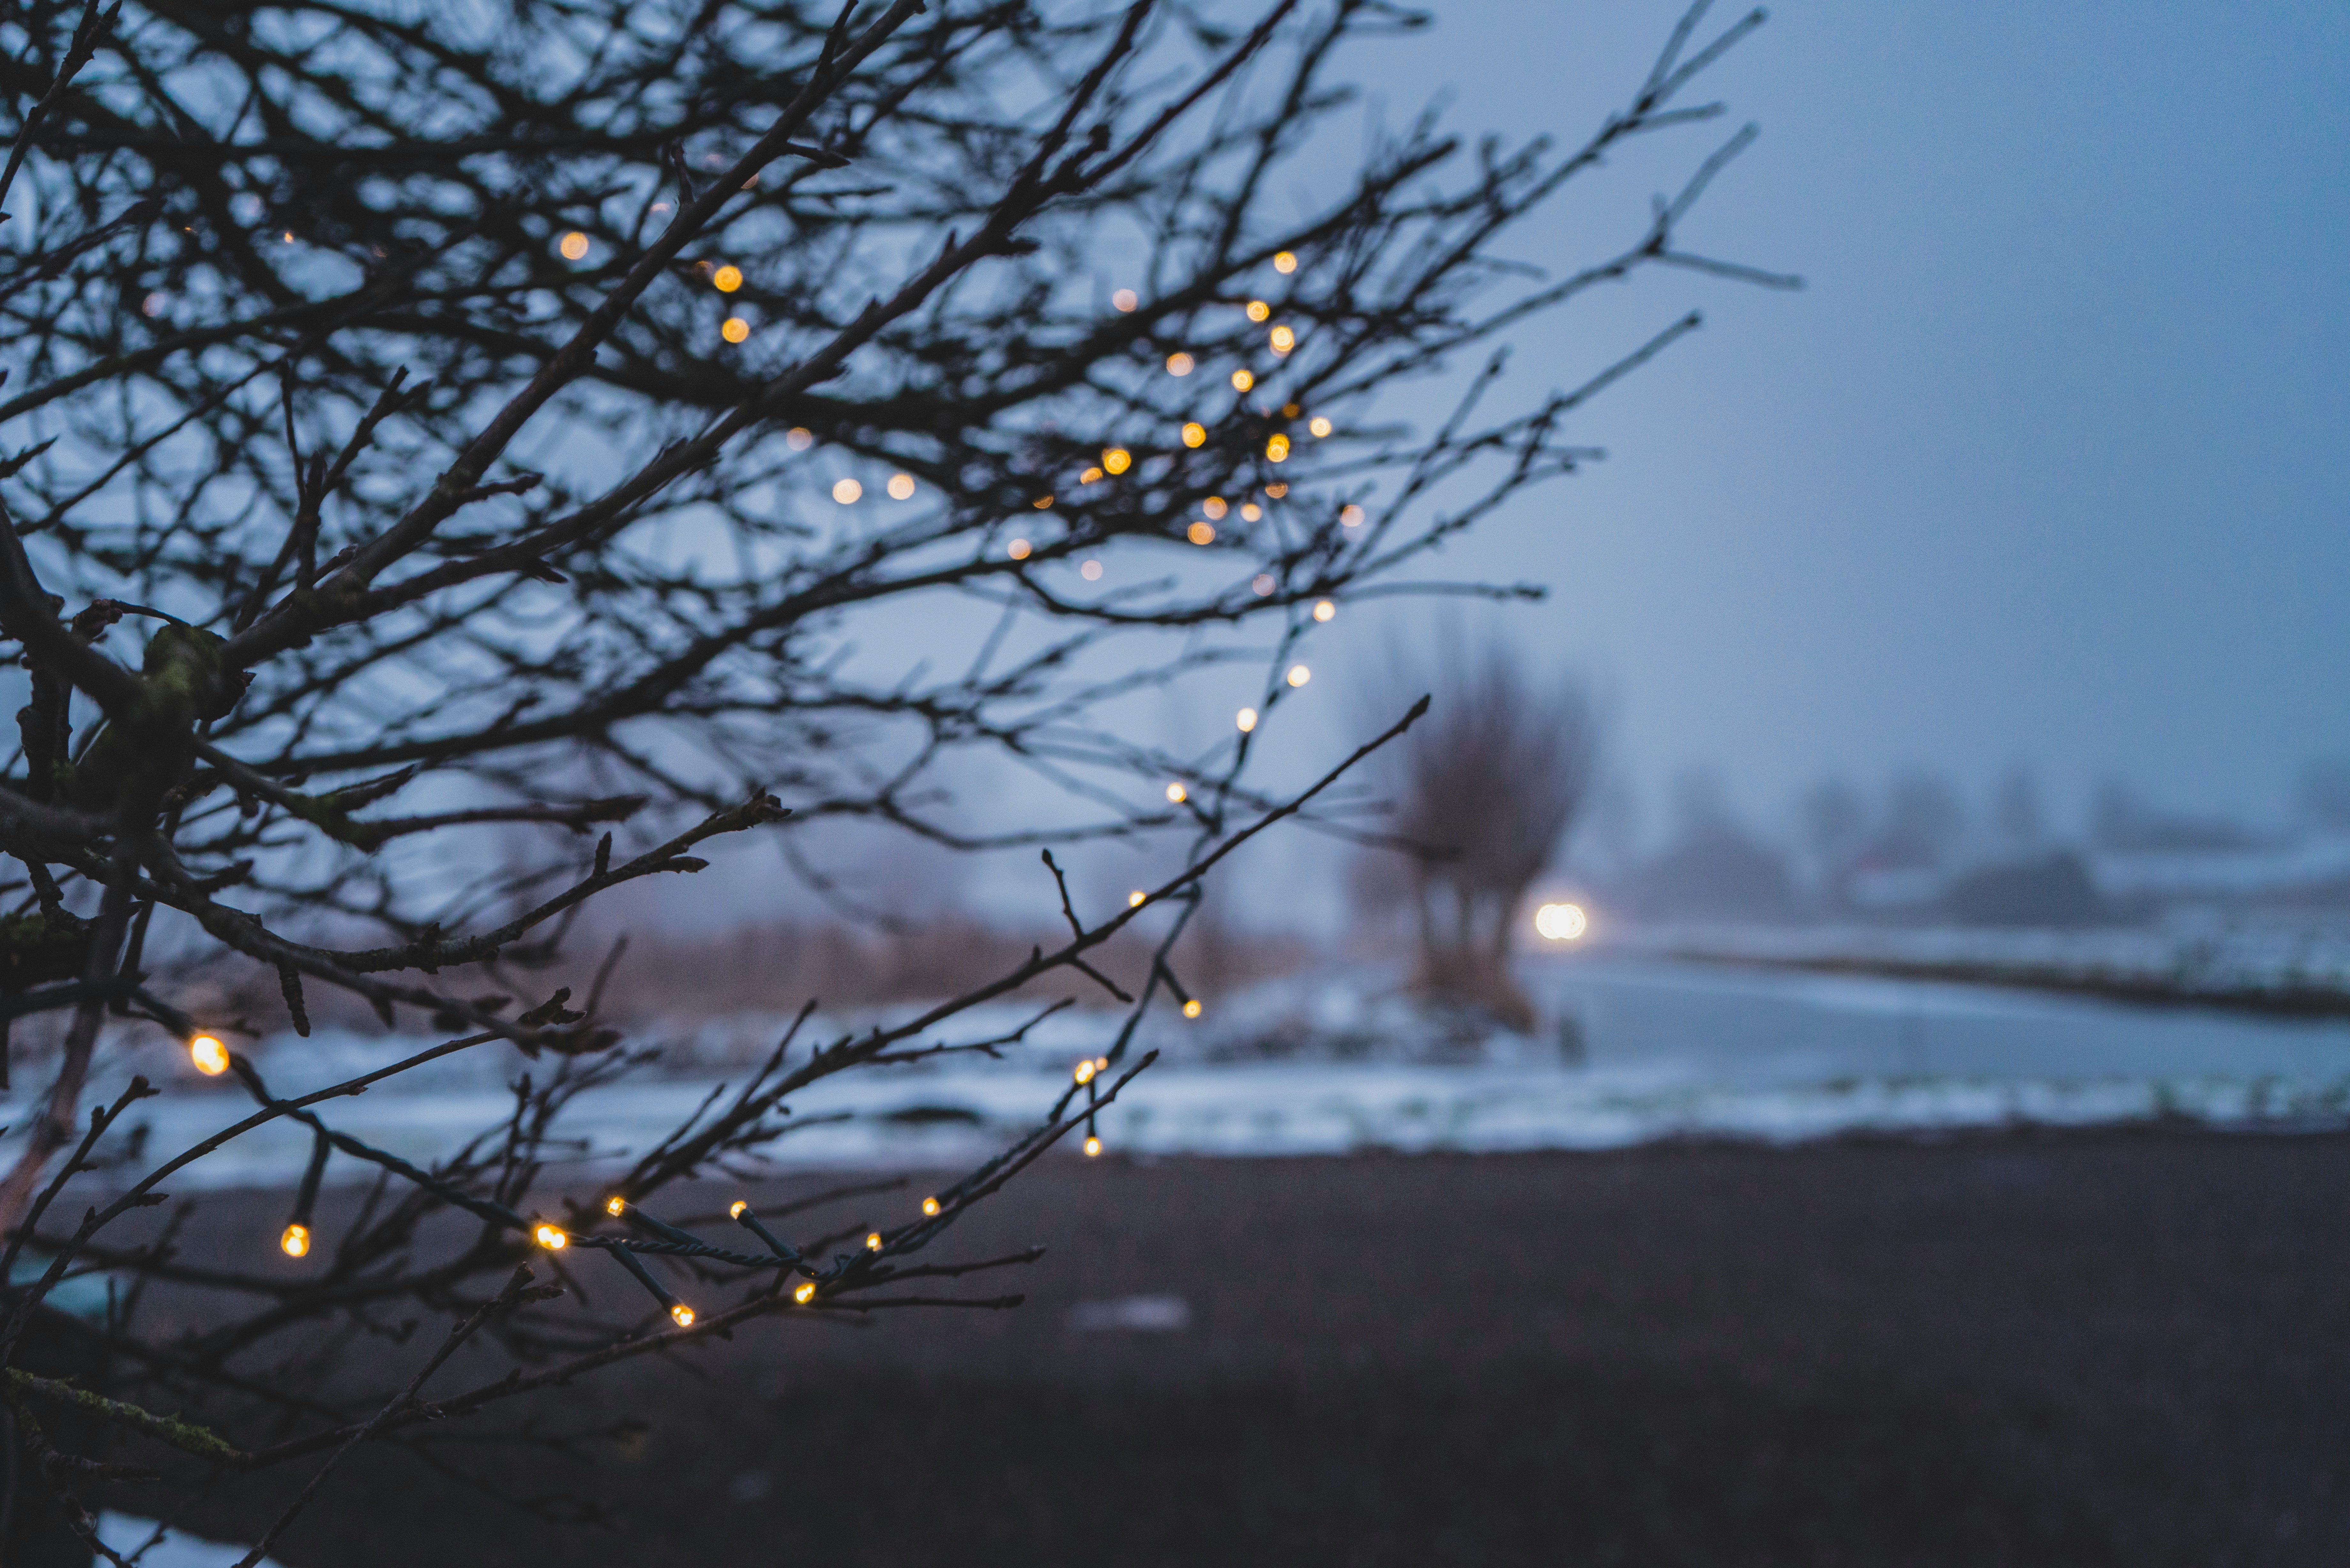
[(428, 426)]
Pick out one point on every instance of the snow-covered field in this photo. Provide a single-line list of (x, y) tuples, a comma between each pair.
[(1637, 1051)]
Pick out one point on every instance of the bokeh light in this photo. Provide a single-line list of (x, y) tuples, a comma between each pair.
[(848, 492), (1561, 922)]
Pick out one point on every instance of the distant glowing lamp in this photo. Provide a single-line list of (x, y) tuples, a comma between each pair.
[(1561, 922)]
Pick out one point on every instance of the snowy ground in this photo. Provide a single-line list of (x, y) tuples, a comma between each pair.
[(1636, 1050)]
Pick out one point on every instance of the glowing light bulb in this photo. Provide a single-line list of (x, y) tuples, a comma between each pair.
[(805, 1292), (734, 329), (901, 487), (1043, 502), (289, 236), (799, 439), (873, 1241), (735, 1210), (574, 245), (1101, 1063), (1176, 793), (1243, 381), (1089, 476), (1319, 426), (1283, 262), (1091, 571), (1258, 310), (209, 1055), (848, 492), (1093, 1148), (1134, 900), (1117, 459), (1283, 339), (727, 278), (615, 1204), (1323, 609), (930, 1206), (295, 1241), (1192, 1008), (1201, 531), (1261, 585), (1215, 506), (1195, 434), (683, 1314), (1277, 491), (1246, 720), (1018, 549), (1350, 516), (1179, 364), (1276, 447), (1125, 299), (1250, 511), (1085, 1071), (553, 1240), (1561, 922), (1299, 675)]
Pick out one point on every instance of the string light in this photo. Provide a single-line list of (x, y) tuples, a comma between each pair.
[(1195, 434), (1250, 511), (873, 1241), (683, 1314), (1283, 339), (1277, 491), (1117, 459), (1044, 503), (1093, 1148), (1201, 531), (1125, 299), (1089, 476), (799, 439), (1018, 549), (1319, 426), (553, 1240), (1261, 585), (1101, 1063), (901, 487), (1299, 675), (1258, 310), (209, 1055), (1561, 922), (1323, 609), (295, 1242), (1192, 1008), (1290, 410), (1084, 1073), (1091, 571), (930, 1206), (614, 1205), (735, 1210), (1176, 793), (734, 329), (1243, 381), (1350, 516), (727, 278), (805, 1292), (1277, 448), (1134, 900), (1246, 720), (848, 492), (289, 236), (574, 245), (1215, 506), (1179, 364), (1283, 262)]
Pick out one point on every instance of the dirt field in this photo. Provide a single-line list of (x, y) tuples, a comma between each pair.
[(2108, 1349)]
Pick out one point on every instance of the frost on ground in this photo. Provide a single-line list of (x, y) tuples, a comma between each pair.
[(1635, 1051)]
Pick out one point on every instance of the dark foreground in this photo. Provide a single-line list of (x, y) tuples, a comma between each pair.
[(2113, 1349)]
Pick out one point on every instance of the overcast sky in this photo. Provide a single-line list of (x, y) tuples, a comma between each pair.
[(2048, 464)]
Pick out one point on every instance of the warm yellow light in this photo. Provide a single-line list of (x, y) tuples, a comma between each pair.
[(1246, 720), (1299, 675), (1091, 571), (1319, 426), (1084, 1073), (1179, 364), (901, 487), (574, 245), (727, 278), (295, 1241), (614, 1204), (734, 329), (289, 236), (1258, 310), (1201, 531), (1323, 609), (1283, 339), (930, 1206), (1192, 1008), (799, 439), (1561, 922), (1243, 381), (1117, 459), (735, 1210), (873, 1241), (1351, 516), (553, 1240), (1215, 506), (1276, 447), (1250, 511), (1093, 1148), (1089, 475), (209, 1055), (683, 1314), (1176, 793), (1261, 585), (805, 1292), (1195, 434), (1277, 491), (1283, 260), (1018, 549), (1043, 502), (1134, 900), (1101, 1063), (846, 492), (1125, 299), (1290, 410)]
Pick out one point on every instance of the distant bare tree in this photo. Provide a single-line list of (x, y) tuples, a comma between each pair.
[(1486, 789)]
